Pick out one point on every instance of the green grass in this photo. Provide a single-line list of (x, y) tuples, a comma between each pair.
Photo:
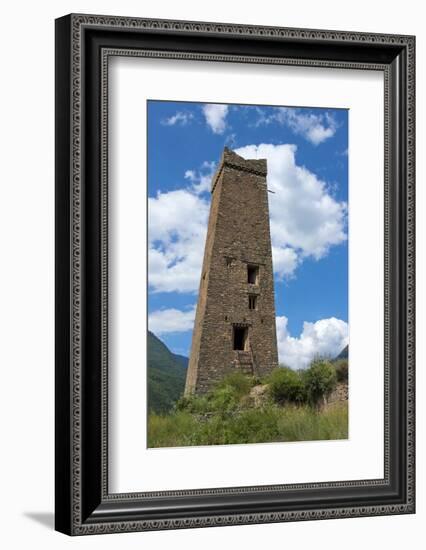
[(272, 423), (290, 410)]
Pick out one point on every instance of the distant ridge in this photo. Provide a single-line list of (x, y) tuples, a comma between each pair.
[(166, 375), (343, 354)]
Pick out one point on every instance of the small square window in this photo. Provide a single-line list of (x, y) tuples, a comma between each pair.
[(252, 301), (252, 274)]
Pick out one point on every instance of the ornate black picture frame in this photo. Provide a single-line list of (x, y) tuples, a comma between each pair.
[(83, 45)]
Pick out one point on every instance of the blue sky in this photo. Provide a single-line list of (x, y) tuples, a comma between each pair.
[(307, 154)]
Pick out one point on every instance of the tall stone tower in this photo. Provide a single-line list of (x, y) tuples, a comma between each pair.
[(234, 327)]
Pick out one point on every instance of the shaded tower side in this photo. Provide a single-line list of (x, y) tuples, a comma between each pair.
[(234, 328)]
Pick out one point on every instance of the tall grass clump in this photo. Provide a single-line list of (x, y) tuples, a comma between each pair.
[(265, 425)]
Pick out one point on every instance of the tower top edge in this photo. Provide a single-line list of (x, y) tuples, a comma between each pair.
[(232, 160)]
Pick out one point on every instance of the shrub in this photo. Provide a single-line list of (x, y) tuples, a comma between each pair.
[(320, 380), (192, 404), (240, 383), (341, 367), (223, 399), (286, 385), (183, 403)]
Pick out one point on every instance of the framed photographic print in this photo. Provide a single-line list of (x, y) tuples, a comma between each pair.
[(234, 274)]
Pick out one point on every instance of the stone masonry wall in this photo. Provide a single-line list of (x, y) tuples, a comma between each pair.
[(238, 235)]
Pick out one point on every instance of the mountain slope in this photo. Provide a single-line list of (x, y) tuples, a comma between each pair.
[(166, 375), (343, 354)]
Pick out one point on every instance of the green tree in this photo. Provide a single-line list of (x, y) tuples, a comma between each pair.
[(320, 379), (286, 385)]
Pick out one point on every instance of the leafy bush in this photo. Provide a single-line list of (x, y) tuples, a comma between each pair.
[(341, 367), (223, 399), (193, 404), (320, 379), (286, 385), (240, 383)]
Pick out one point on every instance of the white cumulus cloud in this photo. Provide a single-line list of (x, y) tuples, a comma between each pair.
[(305, 219), (201, 180), (181, 117), (215, 116), (326, 337), (177, 226), (285, 260), (165, 321), (316, 128)]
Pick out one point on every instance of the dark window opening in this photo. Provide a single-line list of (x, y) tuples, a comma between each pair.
[(252, 301), (252, 274), (240, 338)]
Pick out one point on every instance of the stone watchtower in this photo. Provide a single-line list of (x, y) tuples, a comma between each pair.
[(234, 327)]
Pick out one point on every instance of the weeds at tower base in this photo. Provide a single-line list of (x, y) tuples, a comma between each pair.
[(293, 406)]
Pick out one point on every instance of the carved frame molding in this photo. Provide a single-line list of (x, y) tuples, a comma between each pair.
[(86, 507)]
